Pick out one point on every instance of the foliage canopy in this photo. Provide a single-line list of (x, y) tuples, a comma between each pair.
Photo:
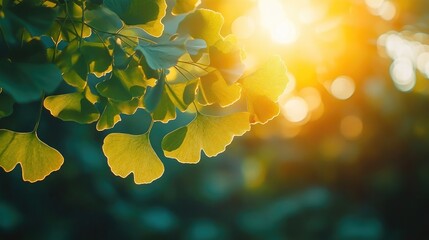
[(137, 64)]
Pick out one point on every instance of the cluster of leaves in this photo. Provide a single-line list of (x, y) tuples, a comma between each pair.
[(137, 64)]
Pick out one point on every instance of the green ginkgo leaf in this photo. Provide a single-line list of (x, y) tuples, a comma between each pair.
[(79, 59), (203, 24), (24, 13), (124, 85), (113, 109), (185, 6), (146, 13), (72, 107), (208, 133), (213, 88), (166, 109), (37, 159), (103, 19), (263, 88), (26, 82), (6, 104), (128, 154), (162, 55)]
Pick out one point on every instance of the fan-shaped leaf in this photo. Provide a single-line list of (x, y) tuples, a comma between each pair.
[(212, 89), (263, 88), (162, 55), (112, 111), (147, 13), (185, 6), (208, 133), (37, 159), (132, 154), (72, 107), (124, 85), (103, 19), (203, 24)]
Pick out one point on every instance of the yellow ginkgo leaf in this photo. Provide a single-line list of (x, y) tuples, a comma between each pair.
[(263, 89), (37, 159), (208, 133), (212, 89), (203, 24), (185, 6), (132, 154)]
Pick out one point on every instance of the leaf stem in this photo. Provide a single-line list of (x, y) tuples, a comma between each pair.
[(36, 126)]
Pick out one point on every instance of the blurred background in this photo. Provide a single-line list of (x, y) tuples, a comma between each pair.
[(347, 158)]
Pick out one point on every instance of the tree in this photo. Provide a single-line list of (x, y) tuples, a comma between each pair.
[(93, 61)]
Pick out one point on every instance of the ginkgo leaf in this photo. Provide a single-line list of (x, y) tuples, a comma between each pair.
[(113, 109), (37, 159), (26, 82), (103, 19), (212, 89), (124, 85), (208, 133), (166, 109), (203, 24), (185, 6), (25, 13), (145, 13), (72, 107), (182, 94), (162, 55), (226, 57), (263, 88), (128, 154)]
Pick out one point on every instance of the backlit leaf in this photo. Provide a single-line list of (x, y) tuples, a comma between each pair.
[(123, 85), (212, 89), (112, 111), (37, 159), (72, 107), (208, 133), (203, 24), (128, 154), (185, 6), (162, 55), (263, 88), (225, 56), (146, 13)]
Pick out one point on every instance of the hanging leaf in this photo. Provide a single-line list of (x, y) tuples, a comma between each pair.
[(37, 159), (124, 85), (72, 107), (24, 13), (26, 82), (103, 19), (263, 88), (120, 58), (146, 13), (212, 89), (128, 154), (162, 55), (225, 56), (76, 62), (208, 133), (6, 104), (185, 6), (113, 109), (153, 94), (203, 24)]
